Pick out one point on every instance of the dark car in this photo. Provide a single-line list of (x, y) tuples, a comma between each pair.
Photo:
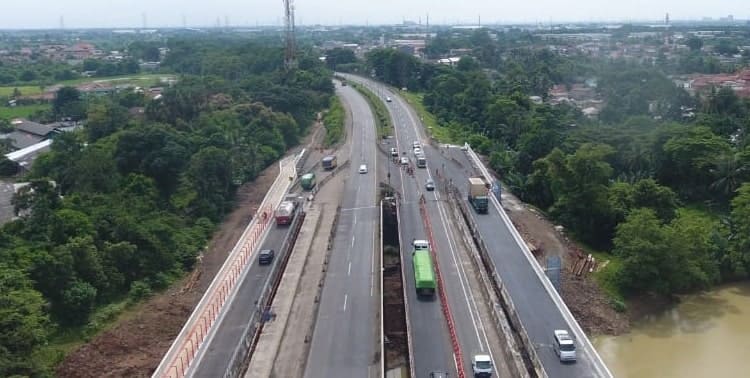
[(438, 374), (265, 256), (429, 185)]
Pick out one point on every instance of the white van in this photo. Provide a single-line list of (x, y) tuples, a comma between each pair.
[(363, 168), (564, 345)]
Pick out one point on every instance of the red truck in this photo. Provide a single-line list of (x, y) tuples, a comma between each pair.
[(285, 213)]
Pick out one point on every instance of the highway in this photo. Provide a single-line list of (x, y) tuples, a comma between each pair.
[(346, 331), (470, 331), (536, 309), (216, 353)]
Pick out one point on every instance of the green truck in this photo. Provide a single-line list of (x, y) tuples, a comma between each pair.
[(478, 195), (424, 276), (308, 181)]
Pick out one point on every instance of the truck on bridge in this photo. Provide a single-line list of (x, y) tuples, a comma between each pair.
[(421, 161), (424, 275), (478, 195), (308, 181), (329, 162), (285, 213)]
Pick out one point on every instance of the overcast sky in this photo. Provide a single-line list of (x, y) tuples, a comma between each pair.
[(130, 13)]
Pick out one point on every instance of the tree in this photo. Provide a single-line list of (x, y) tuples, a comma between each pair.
[(23, 323), (8, 167), (339, 55), (578, 185), (694, 43), (645, 193), (105, 118), (740, 231), (77, 303), (68, 103), (664, 259)]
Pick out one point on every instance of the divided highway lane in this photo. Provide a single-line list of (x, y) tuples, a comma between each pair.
[(539, 314), (215, 355), (463, 303), (346, 333), (429, 333)]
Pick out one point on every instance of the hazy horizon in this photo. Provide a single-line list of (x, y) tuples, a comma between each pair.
[(49, 14)]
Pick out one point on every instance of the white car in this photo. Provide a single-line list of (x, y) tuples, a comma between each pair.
[(417, 151), (416, 144), (404, 161), (363, 168), (394, 152), (564, 346), (388, 99), (481, 365)]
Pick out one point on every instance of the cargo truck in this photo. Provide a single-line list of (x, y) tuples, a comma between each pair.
[(308, 181), (478, 195), (329, 162), (285, 213)]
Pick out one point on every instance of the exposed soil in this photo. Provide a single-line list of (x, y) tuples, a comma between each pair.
[(135, 345), (588, 303)]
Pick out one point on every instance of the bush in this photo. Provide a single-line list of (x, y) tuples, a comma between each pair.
[(139, 290)]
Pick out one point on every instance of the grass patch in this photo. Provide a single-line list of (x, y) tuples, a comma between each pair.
[(140, 79), (26, 90), (382, 117), (334, 122), (24, 111), (441, 133)]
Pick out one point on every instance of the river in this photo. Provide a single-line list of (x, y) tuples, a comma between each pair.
[(705, 335)]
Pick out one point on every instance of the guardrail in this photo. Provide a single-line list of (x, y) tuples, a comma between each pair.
[(254, 327), (178, 359), (441, 292), (382, 308), (596, 360)]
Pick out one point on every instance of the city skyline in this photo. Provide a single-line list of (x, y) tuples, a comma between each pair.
[(47, 14)]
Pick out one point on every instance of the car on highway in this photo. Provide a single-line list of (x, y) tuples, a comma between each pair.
[(429, 185), (438, 374), (564, 346), (416, 144), (394, 151), (265, 256), (481, 366), (404, 160), (417, 151), (363, 168), (388, 99)]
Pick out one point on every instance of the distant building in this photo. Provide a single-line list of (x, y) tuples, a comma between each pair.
[(28, 133)]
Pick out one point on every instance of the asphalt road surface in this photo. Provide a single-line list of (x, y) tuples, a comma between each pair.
[(345, 336), (470, 330), (539, 314), (216, 353)]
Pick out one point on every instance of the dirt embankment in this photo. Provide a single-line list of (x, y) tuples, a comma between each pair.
[(135, 345), (588, 303)]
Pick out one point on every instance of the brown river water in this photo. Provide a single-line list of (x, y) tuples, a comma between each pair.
[(705, 335)]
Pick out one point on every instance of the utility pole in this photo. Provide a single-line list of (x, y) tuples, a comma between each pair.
[(290, 49)]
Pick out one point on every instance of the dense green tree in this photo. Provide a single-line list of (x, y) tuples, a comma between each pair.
[(23, 323), (104, 118), (68, 103), (740, 231), (694, 43), (645, 193), (665, 259)]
